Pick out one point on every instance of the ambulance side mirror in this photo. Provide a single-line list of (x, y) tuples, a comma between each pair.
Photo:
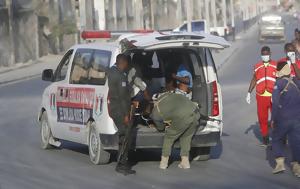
[(47, 75)]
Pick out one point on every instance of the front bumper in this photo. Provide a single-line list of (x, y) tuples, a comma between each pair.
[(272, 34)]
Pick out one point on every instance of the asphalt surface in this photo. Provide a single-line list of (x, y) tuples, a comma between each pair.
[(237, 162)]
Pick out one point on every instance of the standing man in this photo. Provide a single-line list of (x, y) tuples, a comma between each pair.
[(178, 117), (286, 118), (264, 78), (291, 59), (119, 108)]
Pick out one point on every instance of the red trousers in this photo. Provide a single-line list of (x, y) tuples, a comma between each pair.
[(264, 105)]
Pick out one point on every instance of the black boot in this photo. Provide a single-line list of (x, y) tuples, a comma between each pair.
[(125, 169)]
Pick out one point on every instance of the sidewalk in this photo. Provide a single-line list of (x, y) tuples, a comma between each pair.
[(28, 70)]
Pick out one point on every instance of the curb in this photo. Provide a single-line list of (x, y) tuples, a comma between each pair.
[(9, 69), (4, 83)]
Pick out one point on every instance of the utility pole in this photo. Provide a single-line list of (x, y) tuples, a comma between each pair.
[(100, 9), (138, 18), (232, 19), (224, 18), (224, 13), (82, 14), (114, 11), (179, 11), (11, 35), (152, 9), (214, 14), (232, 13), (207, 16), (189, 15), (36, 33), (125, 14)]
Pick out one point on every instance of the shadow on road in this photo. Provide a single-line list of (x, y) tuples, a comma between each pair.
[(75, 147), (256, 131), (142, 155), (269, 153), (216, 151)]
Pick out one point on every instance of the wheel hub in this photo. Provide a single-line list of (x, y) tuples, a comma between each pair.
[(45, 131), (94, 144)]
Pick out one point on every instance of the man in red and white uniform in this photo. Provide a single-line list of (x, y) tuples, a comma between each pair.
[(291, 59), (264, 78)]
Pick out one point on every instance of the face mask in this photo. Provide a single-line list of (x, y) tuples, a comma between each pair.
[(265, 58), (292, 56)]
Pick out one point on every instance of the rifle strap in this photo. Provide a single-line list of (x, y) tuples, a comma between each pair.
[(290, 82)]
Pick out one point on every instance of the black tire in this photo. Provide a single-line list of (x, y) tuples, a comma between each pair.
[(97, 155), (200, 153), (45, 132)]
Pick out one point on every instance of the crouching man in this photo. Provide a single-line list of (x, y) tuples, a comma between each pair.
[(179, 118)]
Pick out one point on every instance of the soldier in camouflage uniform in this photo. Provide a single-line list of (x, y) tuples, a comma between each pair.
[(179, 118)]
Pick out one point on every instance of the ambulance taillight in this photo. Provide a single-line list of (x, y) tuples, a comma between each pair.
[(215, 107)]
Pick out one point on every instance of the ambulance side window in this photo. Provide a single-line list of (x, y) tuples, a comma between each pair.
[(62, 69), (80, 66), (99, 65), (89, 66)]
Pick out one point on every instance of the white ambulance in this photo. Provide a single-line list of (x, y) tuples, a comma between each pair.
[(75, 105)]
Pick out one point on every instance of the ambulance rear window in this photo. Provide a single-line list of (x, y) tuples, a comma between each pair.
[(89, 66)]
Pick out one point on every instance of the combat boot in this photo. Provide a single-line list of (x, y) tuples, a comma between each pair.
[(296, 168), (164, 162), (279, 165), (125, 169), (185, 163)]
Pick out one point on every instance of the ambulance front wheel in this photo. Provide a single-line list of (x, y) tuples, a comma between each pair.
[(97, 155), (45, 131)]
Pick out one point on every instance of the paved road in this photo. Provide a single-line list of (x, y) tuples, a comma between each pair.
[(238, 162)]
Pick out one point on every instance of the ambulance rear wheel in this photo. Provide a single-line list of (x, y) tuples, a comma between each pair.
[(97, 155), (45, 132), (200, 153)]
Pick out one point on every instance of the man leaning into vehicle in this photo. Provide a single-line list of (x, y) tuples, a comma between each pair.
[(178, 117), (120, 104)]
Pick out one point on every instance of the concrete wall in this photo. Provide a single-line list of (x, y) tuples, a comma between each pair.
[(30, 29), (39, 27), (25, 36)]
